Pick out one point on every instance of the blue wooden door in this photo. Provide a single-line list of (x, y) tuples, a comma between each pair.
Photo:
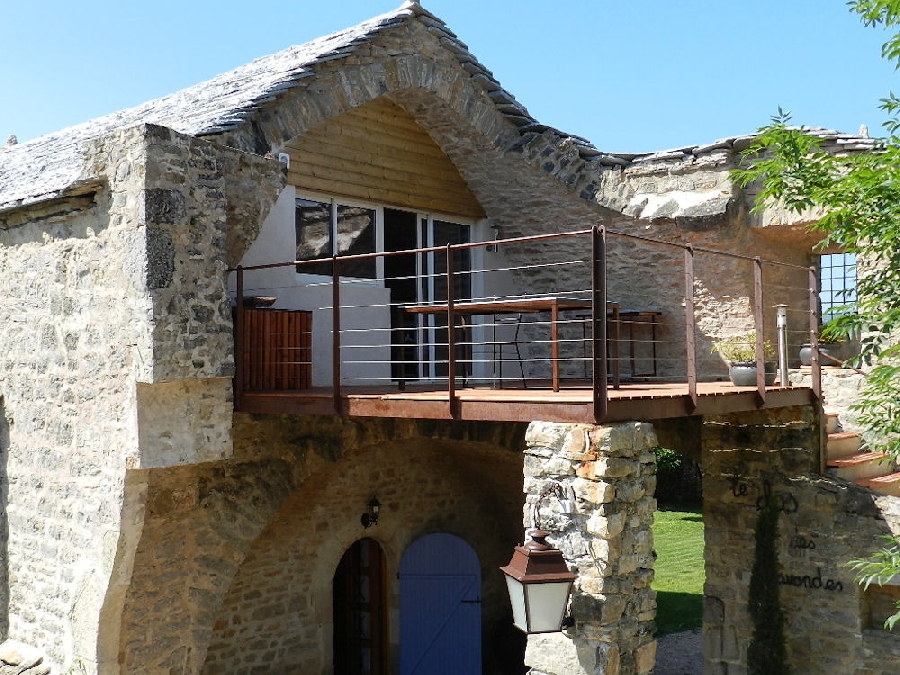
[(440, 607)]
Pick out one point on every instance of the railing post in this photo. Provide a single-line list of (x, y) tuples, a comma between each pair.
[(690, 327), (240, 360), (336, 335), (759, 322), (451, 335), (599, 356), (815, 364)]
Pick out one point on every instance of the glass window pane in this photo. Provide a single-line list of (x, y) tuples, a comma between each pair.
[(356, 234), (837, 283), (313, 227)]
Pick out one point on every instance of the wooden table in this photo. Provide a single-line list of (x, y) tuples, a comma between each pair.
[(550, 303)]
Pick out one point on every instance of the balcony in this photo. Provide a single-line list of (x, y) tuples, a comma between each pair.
[(583, 326)]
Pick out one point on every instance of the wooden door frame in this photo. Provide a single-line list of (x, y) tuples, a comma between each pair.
[(365, 561)]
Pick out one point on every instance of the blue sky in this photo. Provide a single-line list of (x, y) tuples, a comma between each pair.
[(630, 76)]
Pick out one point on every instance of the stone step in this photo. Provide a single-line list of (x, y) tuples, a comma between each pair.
[(861, 465), (831, 422), (842, 444), (888, 484)]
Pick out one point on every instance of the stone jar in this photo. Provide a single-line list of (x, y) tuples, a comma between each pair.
[(830, 353), (743, 373)]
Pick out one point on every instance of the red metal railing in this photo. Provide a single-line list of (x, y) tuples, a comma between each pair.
[(440, 323)]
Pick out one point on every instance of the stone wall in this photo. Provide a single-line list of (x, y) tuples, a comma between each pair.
[(74, 322), (767, 459), (118, 342), (607, 540), (234, 567)]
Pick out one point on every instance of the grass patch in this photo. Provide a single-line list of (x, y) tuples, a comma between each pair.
[(678, 540)]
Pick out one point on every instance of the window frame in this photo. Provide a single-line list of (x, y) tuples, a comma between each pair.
[(837, 285), (421, 217), (335, 201)]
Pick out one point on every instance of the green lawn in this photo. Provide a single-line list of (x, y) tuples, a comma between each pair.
[(678, 540)]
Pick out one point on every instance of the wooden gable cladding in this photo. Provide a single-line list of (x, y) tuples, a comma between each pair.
[(377, 152)]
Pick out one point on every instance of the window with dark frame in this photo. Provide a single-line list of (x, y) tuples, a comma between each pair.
[(837, 285)]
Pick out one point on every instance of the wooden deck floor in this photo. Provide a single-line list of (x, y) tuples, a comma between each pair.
[(632, 401)]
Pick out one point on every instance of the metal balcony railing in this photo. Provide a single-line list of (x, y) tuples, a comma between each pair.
[(591, 309)]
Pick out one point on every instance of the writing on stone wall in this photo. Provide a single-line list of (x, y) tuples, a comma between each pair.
[(813, 581), (798, 541), (784, 501)]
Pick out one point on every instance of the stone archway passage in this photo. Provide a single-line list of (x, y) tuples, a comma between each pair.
[(440, 607), (360, 611)]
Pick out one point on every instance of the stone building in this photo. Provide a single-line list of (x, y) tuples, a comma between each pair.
[(165, 512)]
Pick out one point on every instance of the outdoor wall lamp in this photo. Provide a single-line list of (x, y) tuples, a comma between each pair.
[(495, 230), (370, 517), (539, 583), (538, 578)]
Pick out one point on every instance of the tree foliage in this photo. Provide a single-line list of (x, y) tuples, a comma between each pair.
[(858, 195), (880, 569)]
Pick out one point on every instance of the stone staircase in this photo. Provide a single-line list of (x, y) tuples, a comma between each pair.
[(870, 470)]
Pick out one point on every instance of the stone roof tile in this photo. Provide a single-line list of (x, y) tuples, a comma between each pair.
[(47, 166)]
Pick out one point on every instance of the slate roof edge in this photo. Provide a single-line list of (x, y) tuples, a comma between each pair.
[(44, 167)]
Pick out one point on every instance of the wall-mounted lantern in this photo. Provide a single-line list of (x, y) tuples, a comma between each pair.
[(538, 578), (370, 517), (539, 583)]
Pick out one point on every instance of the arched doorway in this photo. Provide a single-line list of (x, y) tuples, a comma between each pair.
[(440, 607), (359, 593)]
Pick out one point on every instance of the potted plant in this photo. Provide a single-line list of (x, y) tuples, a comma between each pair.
[(739, 352), (835, 340)]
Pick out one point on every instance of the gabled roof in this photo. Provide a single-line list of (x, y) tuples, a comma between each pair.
[(47, 166), (50, 166)]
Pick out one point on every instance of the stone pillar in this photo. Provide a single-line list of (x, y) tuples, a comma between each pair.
[(606, 538)]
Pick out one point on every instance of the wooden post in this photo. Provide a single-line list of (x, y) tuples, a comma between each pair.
[(759, 322), (599, 357), (451, 336), (336, 335), (240, 359), (690, 327), (815, 363)]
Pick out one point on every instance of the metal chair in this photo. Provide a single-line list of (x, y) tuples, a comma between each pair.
[(514, 322)]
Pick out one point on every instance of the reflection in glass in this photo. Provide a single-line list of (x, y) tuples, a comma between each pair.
[(355, 235), (313, 227)]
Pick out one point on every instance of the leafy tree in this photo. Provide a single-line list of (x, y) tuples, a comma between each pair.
[(880, 569), (859, 198)]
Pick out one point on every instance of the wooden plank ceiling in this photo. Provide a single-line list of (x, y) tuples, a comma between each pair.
[(378, 152)]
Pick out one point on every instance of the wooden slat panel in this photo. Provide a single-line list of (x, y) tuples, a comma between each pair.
[(355, 131), (277, 349), (389, 197), (379, 153), (335, 151), (325, 167)]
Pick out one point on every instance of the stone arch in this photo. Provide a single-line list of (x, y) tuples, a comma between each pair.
[(196, 527), (338, 86), (455, 105), (277, 612), (193, 526)]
